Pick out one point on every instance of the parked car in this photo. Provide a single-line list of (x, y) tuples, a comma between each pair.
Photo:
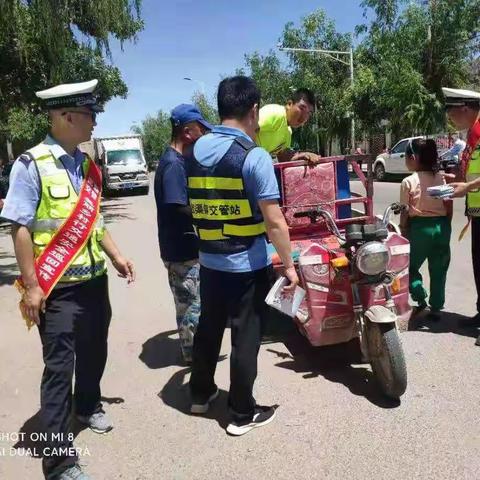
[(392, 161), (449, 159)]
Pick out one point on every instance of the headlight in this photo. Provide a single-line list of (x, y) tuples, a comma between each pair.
[(372, 258)]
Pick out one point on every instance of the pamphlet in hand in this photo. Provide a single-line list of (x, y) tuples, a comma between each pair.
[(286, 302), (441, 191)]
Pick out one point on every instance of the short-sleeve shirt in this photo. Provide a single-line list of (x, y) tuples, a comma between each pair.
[(260, 184), (275, 135), (413, 192), (176, 236), (24, 192)]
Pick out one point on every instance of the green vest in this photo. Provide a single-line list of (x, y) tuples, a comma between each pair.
[(57, 200), (473, 172)]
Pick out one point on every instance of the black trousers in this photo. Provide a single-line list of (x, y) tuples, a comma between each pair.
[(239, 299), (476, 256), (74, 332)]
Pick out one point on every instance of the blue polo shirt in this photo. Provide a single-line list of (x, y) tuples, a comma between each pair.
[(260, 184)]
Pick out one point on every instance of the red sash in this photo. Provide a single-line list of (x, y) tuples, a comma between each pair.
[(473, 139), (71, 237)]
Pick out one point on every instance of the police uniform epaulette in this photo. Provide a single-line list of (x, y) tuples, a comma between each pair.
[(25, 157)]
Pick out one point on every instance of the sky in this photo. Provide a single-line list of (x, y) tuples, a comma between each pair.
[(204, 40)]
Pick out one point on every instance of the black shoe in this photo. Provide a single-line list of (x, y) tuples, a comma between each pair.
[(478, 341), (199, 408), (470, 322), (419, 309), (263, 416)]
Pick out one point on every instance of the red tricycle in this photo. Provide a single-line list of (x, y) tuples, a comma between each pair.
[(352, 264)]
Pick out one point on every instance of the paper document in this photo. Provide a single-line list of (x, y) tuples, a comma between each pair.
[(440, 191), (286, 302)]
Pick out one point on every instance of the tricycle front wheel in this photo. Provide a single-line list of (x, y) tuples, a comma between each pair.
[(387, 358)]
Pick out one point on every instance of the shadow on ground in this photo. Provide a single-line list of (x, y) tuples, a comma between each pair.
[(32, 438), (114, 209), (162, 350), (334, 363), (449, 323), (176, 395)]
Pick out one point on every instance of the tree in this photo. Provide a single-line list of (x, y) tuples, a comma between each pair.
[(209, 112), (44, 42), (327, 78), (408, 52), (157, 130)]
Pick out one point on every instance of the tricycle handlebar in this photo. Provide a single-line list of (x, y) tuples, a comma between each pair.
[(396, 208)]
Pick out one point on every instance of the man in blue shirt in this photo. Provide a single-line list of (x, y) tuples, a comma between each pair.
[(234, 197), (177, 239)]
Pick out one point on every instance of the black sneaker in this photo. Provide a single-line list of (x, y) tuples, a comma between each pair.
[(201, 408), (419, 309), (478, 341), (470, 322), (263, 416)]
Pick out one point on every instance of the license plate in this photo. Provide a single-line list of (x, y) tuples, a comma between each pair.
[(129, 185)]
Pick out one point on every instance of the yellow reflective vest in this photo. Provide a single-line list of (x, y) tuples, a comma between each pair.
[(57, 201)]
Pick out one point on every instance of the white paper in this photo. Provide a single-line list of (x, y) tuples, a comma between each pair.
[(286, 302)]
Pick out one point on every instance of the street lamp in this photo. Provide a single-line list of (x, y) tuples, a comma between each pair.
[(201, 84), (335, 54)]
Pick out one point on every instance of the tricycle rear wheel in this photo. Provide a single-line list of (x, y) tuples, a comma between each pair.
[(387, 358)]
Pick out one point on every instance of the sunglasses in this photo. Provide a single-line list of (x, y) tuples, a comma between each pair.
[(92, 115)]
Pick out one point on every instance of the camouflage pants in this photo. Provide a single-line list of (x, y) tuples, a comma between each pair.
[(184, 281)]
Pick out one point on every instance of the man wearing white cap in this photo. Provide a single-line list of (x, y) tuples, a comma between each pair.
[(60, 244), (463, 110)]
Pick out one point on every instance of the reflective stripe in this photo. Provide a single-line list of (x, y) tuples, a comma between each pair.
[(54, 224), (216, 183), (244, 230), (473, 211), (220, 209), (216, 234), (83, 271)]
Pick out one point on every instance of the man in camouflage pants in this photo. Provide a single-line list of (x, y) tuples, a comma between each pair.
[(183, 278), (178, 242)]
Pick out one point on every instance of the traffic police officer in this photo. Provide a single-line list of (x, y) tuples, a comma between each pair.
[(47, 184), (463, 110)]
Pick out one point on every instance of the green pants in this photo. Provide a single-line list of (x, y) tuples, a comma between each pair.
[(429, 240)]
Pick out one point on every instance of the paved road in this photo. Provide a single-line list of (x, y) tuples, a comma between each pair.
[(331, 423)]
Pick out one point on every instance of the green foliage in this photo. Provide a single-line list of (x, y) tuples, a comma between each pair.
[(157, 130), (46, 42), (156, 133), (328, 78), (209, 112), (407, 54)]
